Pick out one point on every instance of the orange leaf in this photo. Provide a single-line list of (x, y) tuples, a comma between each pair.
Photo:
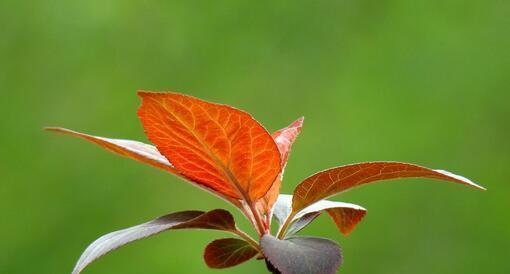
[(336, 180), (214, 145), (284, 138), (228, 252)]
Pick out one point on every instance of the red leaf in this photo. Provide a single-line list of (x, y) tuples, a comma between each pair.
[(336, 180), (284, 139), (228, 252), (132, 149), (345, 215), (346, 218), (215, 145), (138, 151)]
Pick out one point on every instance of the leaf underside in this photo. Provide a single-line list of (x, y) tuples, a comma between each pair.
[(132, 149), (302, 255), (228, 252), (217, 219), (345, 215), (336, 180), (138, 151), (302, 222), (215, 145)]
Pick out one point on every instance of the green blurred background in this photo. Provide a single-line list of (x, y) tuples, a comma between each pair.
[(419, 81)]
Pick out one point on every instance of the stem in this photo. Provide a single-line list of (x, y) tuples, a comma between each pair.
[(247, 212), (258, 220), (285, 225), (268, 220), (247, 238)]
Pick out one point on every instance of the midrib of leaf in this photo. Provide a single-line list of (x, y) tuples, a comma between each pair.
[(231, 178), (226, 169), (232, 254)]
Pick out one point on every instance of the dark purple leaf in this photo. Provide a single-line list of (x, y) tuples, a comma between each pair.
[(228, 252), (217, 219), (302, 255)]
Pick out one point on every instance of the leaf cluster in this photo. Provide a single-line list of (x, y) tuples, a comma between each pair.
[(225, 151)]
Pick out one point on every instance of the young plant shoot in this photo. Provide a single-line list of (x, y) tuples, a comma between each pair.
[(227, 152)]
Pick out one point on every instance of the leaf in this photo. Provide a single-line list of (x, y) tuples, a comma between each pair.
[(270, 267), (284, 138), (339, 179), (346, 218), (345, 215), (132, 149), (138, 151), (302, 255), (214, 145), (302, 222), (228, 252), (217, 219)]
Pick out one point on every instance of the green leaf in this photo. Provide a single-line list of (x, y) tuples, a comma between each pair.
[(228, 252), (217, 219), (302, 255)]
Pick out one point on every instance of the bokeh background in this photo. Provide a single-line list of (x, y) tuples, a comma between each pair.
[(419, 81)]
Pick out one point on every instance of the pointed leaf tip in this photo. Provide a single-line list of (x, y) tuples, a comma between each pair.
[(461, 179)]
